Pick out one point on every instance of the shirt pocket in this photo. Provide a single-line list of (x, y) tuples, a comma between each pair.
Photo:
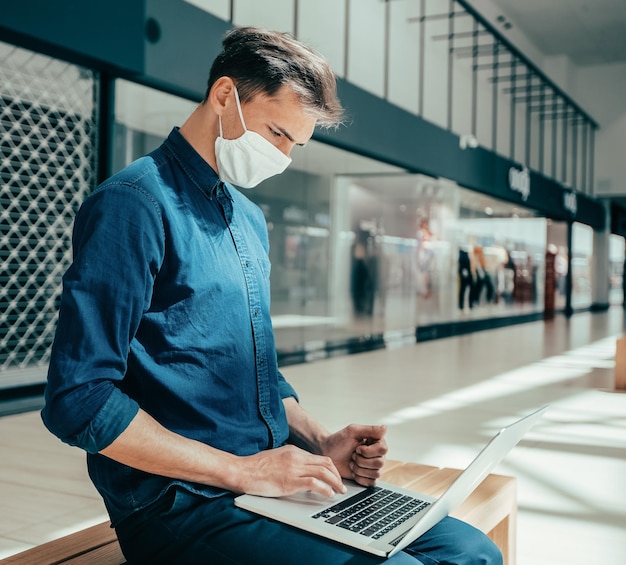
[(265, 267)]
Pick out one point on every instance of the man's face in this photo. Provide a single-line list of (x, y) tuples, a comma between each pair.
[(281, 119)]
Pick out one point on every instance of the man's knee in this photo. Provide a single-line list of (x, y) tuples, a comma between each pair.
[(475, 548), (488, 553), (454, 542)]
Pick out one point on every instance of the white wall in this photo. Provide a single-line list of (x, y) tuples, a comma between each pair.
[(610, 171), (404, 57), (602, 88), (271, 14), (366, 46), (321, 26)]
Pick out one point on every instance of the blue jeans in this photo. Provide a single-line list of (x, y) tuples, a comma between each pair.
[(183, 528)]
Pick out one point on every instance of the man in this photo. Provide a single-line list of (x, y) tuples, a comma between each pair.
[(164, 366)]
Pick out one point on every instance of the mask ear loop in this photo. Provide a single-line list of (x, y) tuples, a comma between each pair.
[(239, 108), (219, 118)]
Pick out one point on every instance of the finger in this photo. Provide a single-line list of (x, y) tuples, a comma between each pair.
[(365, 477), (365, 472), (324, 471), (372, 450), (371, 466), (317, 486), (375, 463), (369, 434)]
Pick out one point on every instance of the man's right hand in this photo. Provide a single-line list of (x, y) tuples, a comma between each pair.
[(285, 471)]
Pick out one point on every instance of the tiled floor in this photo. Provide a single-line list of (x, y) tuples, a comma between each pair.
[(441, 401)]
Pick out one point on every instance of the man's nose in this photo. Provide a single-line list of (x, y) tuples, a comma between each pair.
[(286, 146)]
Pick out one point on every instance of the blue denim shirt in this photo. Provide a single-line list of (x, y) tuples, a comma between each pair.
[(166, 307)]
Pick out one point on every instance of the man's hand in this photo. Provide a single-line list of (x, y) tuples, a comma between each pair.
[(287, 470), (358, 452)]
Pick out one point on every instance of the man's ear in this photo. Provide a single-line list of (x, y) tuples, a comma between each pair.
[(221, 94)]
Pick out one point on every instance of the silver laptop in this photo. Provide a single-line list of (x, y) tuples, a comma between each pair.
[(385, 519)]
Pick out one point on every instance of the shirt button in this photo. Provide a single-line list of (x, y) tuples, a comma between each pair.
[(256, 313), (261, 362)]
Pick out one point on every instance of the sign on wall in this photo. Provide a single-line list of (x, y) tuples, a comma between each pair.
[(519, 181)]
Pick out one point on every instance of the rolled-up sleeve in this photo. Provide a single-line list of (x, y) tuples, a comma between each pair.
[(118, 247), (101, 422), (285, 389)]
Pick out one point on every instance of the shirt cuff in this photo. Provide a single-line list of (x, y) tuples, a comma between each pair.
[(285, 389), (111, 420)]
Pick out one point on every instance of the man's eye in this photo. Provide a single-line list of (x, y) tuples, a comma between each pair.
[(276, 133)]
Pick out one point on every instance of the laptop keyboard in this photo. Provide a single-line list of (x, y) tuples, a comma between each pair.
[(373, 512)]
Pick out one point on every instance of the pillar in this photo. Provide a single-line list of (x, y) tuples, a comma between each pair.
[(600, 268)]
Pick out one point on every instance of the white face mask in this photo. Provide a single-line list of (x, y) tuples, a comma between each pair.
[(249, 159)]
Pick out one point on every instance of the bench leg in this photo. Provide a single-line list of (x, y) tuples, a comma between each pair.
[(503, 535)]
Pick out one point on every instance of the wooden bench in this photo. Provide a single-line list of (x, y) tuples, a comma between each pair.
[(492, 508)]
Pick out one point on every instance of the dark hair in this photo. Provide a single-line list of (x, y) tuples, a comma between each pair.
[(261, 62)]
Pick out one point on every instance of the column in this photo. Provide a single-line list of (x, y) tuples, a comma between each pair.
[(600, 264)]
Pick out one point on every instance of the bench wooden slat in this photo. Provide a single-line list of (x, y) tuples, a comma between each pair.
[(109, 554), (402, 474), (80, 547)]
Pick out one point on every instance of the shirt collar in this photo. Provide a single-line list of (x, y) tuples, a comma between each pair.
[(195, 167)]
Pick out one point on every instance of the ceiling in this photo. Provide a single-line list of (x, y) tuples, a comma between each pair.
[(590, 32)]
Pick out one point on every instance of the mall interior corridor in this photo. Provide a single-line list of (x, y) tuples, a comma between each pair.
[(441, 401)]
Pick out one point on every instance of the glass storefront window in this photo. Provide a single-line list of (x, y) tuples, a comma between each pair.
[(429, 251), (143, 119)]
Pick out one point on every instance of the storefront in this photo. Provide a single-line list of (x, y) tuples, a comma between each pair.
[(427, 253)]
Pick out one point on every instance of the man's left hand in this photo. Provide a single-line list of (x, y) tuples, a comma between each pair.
[(358, 452)]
